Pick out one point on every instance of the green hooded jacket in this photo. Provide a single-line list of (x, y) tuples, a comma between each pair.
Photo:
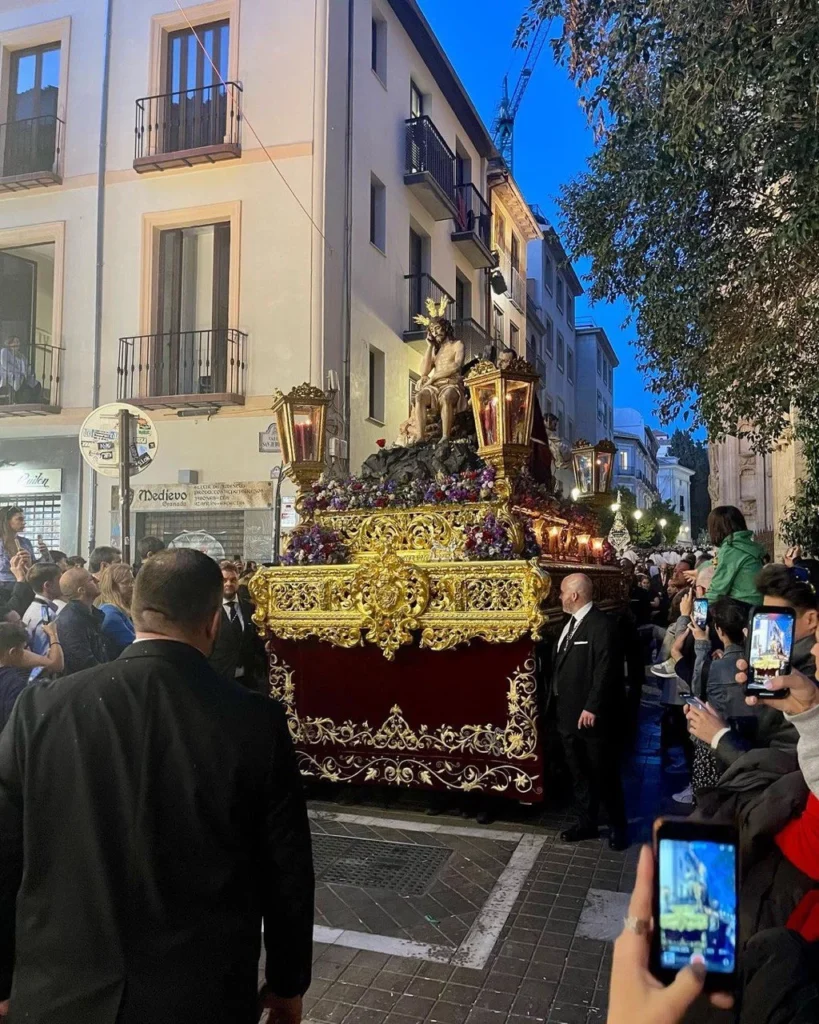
[(738, 561)]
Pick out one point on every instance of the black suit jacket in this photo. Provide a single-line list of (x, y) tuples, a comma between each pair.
[(228, 654), (151, 817), (80, 631), (588, 674)]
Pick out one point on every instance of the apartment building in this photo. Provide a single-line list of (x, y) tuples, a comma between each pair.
[(172, 237), (554, 289), (674, 483), (635, 465), (596, 363)]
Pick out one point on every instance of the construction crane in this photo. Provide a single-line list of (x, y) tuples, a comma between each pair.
[(503, 126)]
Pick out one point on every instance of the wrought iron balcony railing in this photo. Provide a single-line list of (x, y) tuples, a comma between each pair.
[(195, 368), (420, 288), (30, 380), (193, 126), (31, 153)]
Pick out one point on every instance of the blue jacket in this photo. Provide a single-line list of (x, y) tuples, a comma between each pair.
[(117, 629)]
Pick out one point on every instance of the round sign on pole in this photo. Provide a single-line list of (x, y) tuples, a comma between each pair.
[(99, 439)]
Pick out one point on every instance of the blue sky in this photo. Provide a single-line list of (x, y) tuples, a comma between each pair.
[(552, 139)]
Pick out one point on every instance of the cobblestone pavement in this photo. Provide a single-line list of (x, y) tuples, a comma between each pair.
[(461, 924)]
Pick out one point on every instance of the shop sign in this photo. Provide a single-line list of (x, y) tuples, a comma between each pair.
[(30, 481), (233, 495)]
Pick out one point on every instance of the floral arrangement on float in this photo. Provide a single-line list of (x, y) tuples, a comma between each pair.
[(315, 545), (490, 540)]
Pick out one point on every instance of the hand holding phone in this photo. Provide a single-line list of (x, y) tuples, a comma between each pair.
[(699, 614), (695, 901), (635, 997), (770, 647), (799, 692)]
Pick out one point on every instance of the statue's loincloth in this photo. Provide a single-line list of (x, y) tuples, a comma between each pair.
[(440, 388)]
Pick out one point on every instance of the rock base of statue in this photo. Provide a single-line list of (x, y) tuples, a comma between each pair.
[(423, 461)]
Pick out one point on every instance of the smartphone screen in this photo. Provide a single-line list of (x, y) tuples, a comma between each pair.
[(696, 898), (700, 612), (770, 647)]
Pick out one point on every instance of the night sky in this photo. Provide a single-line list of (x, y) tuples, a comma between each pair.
[(552, 139)]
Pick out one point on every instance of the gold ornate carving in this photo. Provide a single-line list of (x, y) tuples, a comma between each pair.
[(390, 598), (392, 595), (517, 739)]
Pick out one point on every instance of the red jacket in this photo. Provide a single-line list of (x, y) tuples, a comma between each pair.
[(799, 842)]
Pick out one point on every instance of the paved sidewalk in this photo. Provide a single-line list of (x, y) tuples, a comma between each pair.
[(425, 919)]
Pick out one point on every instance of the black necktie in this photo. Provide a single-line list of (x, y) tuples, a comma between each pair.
[(233, 617), (568, 637)]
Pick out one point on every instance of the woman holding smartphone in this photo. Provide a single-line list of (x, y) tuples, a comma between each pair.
[(12, 524)]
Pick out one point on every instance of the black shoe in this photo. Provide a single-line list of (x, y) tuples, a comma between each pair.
[(577, 833), (484, 817), (618, 839)]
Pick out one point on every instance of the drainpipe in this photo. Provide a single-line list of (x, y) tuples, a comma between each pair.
[(348, 231), (101, 169)]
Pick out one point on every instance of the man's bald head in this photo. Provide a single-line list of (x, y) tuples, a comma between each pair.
[(576, 591), (78, 585)]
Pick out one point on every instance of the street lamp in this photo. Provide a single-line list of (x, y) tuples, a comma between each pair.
[(663, 523), (638, 514), (300, 417)]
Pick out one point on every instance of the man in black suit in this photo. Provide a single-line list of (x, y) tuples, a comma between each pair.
[(151, 819), (238, 652), (587, 685)]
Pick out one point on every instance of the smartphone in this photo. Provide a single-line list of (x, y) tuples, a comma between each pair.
[(770, 647), (689, 698), (699, 614), (696, 882)]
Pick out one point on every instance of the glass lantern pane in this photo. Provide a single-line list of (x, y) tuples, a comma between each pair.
[(284, 436), (603, 472), (517, 409), (584, 471), (305, 434), (488, 415)]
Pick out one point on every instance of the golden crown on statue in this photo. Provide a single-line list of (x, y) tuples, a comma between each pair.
[(436, 310)]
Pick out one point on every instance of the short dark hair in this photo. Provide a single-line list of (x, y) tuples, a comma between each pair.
[(12, 634), (227, 566), (100, 555), (147, 546), (42, 573), (182, 586), (689, 560), (723, 521), (778, 581), (76, 561), (730, 616), (57, 556)]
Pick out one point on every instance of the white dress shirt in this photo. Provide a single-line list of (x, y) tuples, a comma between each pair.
[(578, 617)]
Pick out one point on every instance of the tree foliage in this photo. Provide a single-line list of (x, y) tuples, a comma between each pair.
[(694, 455), (700, 205)]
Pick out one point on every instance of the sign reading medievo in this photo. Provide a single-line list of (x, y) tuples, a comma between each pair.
[(30, 481), (219, 495)]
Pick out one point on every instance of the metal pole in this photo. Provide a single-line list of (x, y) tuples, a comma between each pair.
[(277, 516), (125, 483)]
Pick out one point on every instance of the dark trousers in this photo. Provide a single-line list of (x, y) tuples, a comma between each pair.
[(594, 766)]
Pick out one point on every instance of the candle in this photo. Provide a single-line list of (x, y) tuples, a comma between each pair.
[(554, 533), (597, 548), (583, 545), (303, 442), (489, 417)]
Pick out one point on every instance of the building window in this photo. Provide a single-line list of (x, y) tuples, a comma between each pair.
[(561, 352), (622, 457), (376, 388), (570, 309), (497, 325), (599, 407), (378, 214), (463, 165), (570, 366), (570, 436), (379, 48), (514, 337), (599, 363), (463, 297), (514, 253), (31, 130), (561, 418), (682, 503), (550, 337), (416, 101), (561, 293), (548, 273), (500, 232), (611, 419)]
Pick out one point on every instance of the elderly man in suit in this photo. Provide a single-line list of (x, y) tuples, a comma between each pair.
[(151, 820), (587, 687)]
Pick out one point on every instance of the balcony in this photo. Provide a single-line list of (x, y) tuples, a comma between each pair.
[(517, 290), (430, 168), (183, 370), (472, 233), (421, 287), (474, 337), (31, 153), (30, 379), (181, 129)]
